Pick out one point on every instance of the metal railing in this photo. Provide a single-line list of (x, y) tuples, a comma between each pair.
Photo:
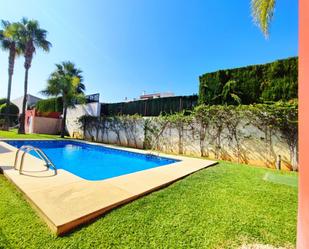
[(26, 149)]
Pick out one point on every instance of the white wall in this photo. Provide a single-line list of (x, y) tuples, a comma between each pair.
[(251, 147), (31, 100), (73, 114)]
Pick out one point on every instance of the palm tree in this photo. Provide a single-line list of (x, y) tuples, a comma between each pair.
[(9, 41), (66, 81), (262, 12), (32, 37)]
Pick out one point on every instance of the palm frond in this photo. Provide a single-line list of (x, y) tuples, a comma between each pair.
[(44, 45), (66, 81), (9, 37), (262, 12), (5, 45), (5, 24), (31, 33), (24, 20)]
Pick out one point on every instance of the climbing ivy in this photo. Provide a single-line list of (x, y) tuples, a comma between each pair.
[(218, 128)]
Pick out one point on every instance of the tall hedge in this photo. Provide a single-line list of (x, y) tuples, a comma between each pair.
[(151, 107), (50, 105), (252, 84)]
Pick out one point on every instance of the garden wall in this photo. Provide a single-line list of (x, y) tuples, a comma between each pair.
[(43, 125), (260, 135)]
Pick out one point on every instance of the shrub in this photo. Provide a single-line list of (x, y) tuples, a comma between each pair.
[(13, 112), (50, 105), (2, 101)]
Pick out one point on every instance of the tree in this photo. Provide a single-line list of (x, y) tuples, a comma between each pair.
[(9, 41), (32, 37), (66, 81), (262, 12)]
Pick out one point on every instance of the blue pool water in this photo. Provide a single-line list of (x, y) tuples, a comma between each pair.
[(93, 162)]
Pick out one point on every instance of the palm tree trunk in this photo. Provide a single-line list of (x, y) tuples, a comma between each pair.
[(7, 110), (21, 129), (64, 120), (8, 98)]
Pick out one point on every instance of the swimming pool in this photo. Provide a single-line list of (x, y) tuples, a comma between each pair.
[(93, 162)]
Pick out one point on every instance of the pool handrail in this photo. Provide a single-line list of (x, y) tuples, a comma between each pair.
[(40, 153)]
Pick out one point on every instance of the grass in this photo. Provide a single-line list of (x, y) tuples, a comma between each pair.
[(13, 134), (219, 207), (289, 180)]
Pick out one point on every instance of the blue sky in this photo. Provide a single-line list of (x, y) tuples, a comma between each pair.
[(125, 47)]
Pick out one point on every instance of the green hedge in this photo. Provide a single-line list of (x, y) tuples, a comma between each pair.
[(2, 101), (252, 84), (13, 112), (50, 105), (13, 109), (151, 107)]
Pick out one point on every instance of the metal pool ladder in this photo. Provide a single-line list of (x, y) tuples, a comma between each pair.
[(40, 153)]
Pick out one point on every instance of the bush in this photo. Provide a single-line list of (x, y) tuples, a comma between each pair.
[(13, 112), (2, 101), (252, 84)]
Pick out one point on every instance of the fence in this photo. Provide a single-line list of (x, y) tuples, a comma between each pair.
[(151, 107)]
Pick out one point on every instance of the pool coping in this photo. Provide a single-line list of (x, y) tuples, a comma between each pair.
[(66, 201)]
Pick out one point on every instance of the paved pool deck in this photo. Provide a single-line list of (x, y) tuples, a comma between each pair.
[(66, 201)]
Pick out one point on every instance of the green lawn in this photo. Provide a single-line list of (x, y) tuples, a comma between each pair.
[(220, 207), (13, 134)]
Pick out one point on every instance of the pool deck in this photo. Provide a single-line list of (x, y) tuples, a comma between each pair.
[(66, 201)]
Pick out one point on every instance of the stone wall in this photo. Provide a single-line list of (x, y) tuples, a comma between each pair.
[(245, 144)]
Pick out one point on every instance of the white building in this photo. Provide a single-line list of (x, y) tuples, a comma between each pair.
[(31, 101), (156, 95)]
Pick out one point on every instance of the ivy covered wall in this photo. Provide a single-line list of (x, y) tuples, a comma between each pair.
[(252, 84), (254, 134)]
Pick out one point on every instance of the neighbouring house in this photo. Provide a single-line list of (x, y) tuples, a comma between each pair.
[(31, 101), (43, 123), (145, 96)]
